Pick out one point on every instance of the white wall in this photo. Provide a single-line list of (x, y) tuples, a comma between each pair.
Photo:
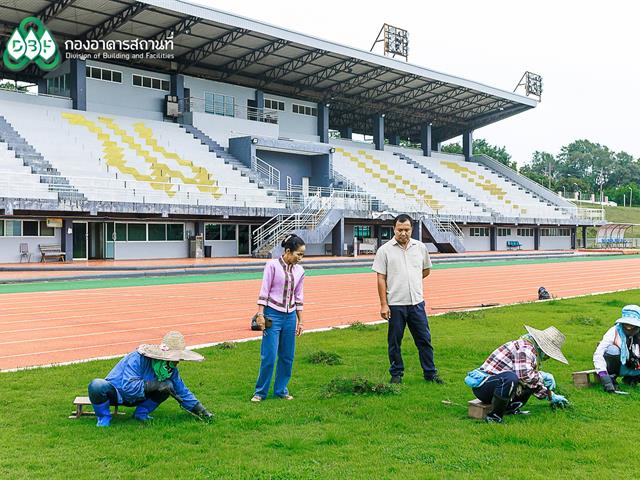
[(221, 128), (10, 246), (151, 250), (475, 244), (555, 243)]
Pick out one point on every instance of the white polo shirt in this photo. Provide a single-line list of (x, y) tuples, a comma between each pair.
[(403, 268)]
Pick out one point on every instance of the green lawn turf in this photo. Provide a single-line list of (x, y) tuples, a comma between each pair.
[(406, 436)]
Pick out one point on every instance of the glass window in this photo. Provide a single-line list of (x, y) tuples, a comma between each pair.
[(362, 231), (136, 232), (175, 231), (228, 232), (88, 71), (106, 75), (212, 231), (46, 231), (386, 233), (155, 83), (137, 80), (1, 228), (146, 82), (166, 85), (96, 73), (314, 112), (157, 232), (30, 228), (116, 77), (229, 106), (13, 228), (121, 232), (504, 232)]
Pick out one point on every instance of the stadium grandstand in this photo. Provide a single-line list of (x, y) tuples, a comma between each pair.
[(166, 122)]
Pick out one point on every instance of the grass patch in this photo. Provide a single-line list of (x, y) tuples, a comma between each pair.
[(412, 435), (357, 386), (226, 346), (361, 326), (324, 358)]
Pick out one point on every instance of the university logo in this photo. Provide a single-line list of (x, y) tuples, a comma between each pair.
[(32, 44)]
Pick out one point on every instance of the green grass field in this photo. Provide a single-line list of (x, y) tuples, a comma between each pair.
[(410, 434)]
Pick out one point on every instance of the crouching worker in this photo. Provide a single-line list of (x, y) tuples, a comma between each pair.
[(618, 353), (145, 378), (511, 374)]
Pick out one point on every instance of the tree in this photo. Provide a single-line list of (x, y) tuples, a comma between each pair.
[(482, 147), (7, 85)]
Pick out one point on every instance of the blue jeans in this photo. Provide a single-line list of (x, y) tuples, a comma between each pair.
[(100, 391), (280, 340), (415, 317)]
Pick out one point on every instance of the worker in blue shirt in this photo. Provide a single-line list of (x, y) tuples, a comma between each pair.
[(145, 378)]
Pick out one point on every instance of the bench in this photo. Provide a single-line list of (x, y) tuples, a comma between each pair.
[(51, 251), (478, 410), (584, 378), (513, 244), (81, 402)]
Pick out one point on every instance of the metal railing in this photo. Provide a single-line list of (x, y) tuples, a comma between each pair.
[(228, 109), (269, 172)]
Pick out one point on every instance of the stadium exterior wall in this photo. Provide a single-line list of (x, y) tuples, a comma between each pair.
[(10, 246)]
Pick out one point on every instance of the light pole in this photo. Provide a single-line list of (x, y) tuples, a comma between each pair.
[(630, 196), (564, 191), (577, 190), (600, 181)]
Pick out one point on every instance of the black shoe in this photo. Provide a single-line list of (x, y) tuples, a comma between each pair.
[(493, 418), (395, 380), (435, 379), (631, 381)]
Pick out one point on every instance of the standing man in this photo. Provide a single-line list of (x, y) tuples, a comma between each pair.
[(401, 264)]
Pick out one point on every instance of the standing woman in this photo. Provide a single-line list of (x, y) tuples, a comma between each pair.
[(280, 300)]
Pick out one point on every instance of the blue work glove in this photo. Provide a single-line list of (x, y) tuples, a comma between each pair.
[(548, 380), (559, 401)]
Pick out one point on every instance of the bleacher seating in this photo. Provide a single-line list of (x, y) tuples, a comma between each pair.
[(17, 181), (398, 184), (121, 159)]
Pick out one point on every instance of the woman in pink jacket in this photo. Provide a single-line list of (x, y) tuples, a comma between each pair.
[(280, 300)]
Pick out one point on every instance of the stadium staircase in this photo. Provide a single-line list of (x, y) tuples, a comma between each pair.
[(313, 223), (229, 159), (32, 159), (430, 174), (445, 235)]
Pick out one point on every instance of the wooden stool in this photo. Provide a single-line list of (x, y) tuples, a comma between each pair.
[(584, 378), (81, 402), (477, 409)]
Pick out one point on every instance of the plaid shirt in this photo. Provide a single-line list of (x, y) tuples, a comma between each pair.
[(518, 356)]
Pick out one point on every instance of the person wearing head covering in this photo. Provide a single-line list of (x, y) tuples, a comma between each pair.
[(145, 378), (281, 300), (511, 374), (618, 353)]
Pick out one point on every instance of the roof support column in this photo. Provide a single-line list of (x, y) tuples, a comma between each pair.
[(425, 139), (323, 122), (259, 100), (378, 132), (394, 139), (176, 88), (79, 84), (467, 144)]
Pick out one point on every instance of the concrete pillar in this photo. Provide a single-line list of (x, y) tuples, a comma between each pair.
[(337, 239), (425, 139), (378, 132), (323, 122), (346, 132), (438, 147), (536, 238), (259, 99), (199, 228), (574, 232), (584, 236), (493, 241), (78, 84), (467, 144), (66, 242), (394, 139), (416, 233), (177, 88), (42, 86)]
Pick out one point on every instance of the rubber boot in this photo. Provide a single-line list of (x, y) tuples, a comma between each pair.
[(103, 414), (143, 410), (499, 405)]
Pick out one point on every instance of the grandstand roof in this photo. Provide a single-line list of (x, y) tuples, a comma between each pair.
[(222, 46)]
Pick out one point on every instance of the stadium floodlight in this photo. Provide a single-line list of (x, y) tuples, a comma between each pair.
[(254, 140), (395, 40), (532, 83), (332, 150)]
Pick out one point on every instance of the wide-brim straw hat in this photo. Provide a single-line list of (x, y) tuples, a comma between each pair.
[(172, 349), (550, 341), (630, 315)]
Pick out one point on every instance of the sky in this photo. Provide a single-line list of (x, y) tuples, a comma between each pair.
[(586, 52)]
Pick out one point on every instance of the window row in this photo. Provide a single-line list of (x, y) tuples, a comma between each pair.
[(59, 85), (555, 232), (273, 104), (219, 104), (304, 110), (146, 232), (479, 232), (215, 231), (25, 228), (151, 82), (105, 74), (360, 231)]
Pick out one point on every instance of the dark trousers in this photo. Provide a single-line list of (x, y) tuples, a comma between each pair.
[(100, 391), (415, 317), (503, 385)]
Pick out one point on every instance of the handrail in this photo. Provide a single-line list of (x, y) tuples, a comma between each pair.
[(200, 105), (271, 173)]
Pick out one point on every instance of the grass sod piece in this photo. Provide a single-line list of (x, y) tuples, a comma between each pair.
[(324, 358), (357, 386), (410, 436)]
